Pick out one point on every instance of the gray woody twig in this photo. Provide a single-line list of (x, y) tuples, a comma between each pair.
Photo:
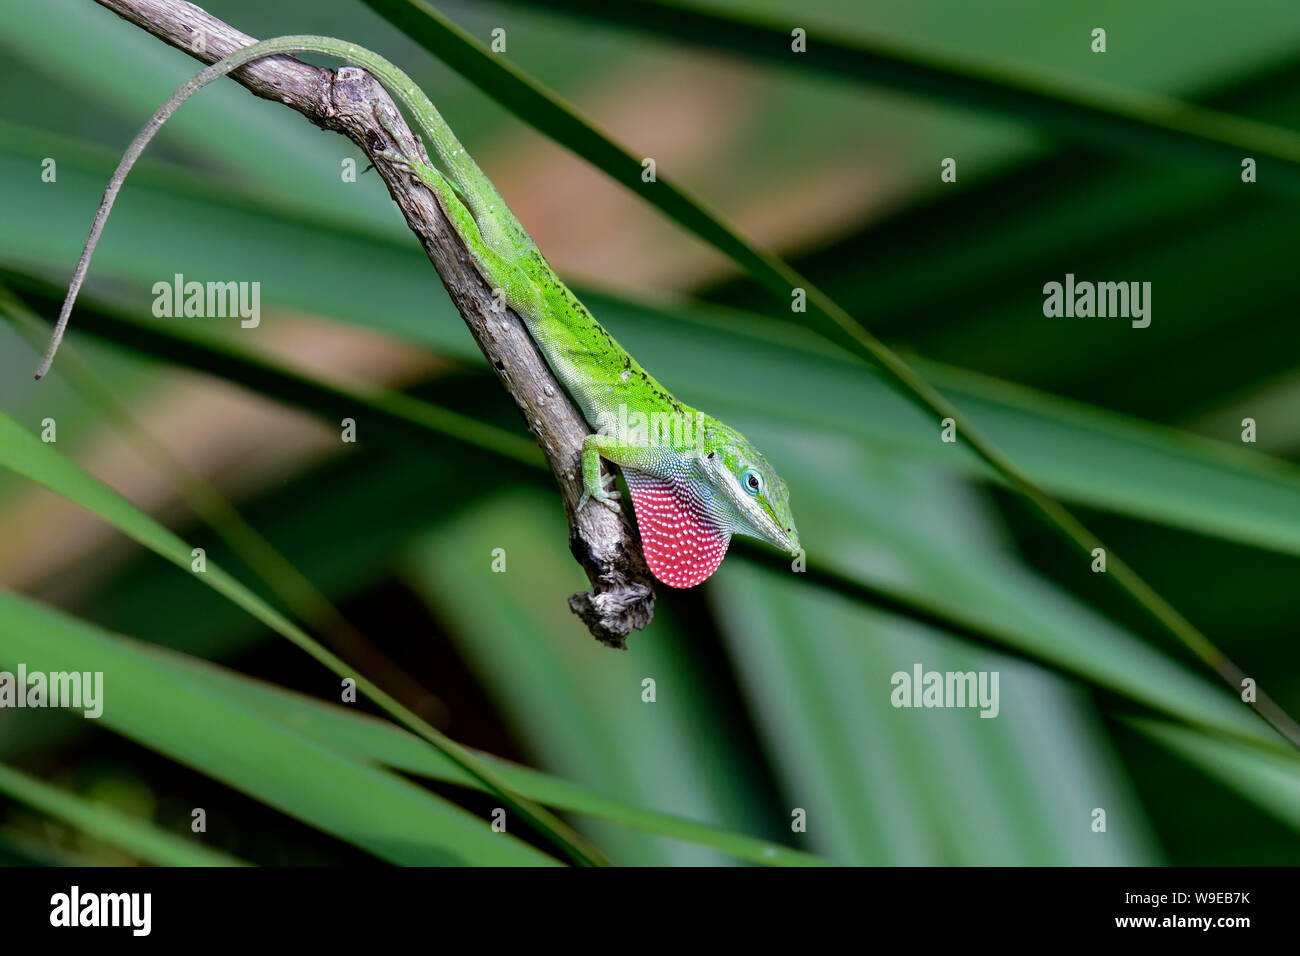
[(349, 101)]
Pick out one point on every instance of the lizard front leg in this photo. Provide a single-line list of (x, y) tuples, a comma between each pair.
[(645, 461), (594, 447)]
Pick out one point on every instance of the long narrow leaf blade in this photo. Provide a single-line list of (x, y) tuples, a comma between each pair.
[(378, 811), (28, 456), (1133, 120), (137, 837), (384, 743)]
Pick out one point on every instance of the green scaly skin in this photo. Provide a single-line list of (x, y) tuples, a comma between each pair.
[(717, 474)]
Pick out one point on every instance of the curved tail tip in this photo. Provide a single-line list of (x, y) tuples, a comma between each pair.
[(43, 369)]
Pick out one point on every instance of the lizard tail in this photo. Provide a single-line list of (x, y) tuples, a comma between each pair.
[(397, 82)]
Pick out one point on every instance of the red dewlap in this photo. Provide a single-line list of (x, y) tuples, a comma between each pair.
[(681, 545)]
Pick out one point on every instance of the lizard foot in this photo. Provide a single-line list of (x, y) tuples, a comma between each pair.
[(399, 159), (599, 493)]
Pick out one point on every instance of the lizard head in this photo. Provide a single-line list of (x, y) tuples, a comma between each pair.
[(688, 509), (749, 497)]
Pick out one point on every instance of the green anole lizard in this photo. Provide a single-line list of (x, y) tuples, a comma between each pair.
[(694, 481)]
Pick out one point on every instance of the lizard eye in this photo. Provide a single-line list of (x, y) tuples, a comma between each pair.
[(752, 480)]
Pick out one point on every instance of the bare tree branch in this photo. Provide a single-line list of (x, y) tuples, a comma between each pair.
[(349, 101)]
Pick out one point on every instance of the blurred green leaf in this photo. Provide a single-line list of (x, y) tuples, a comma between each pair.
[(137, 837), (887, 786), (1271, 781), (376, 740), (114, 66), (267, 375), (856, 519), (575, 705), (375, 810), (902, 787), (28, 456), (1134, 120)]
